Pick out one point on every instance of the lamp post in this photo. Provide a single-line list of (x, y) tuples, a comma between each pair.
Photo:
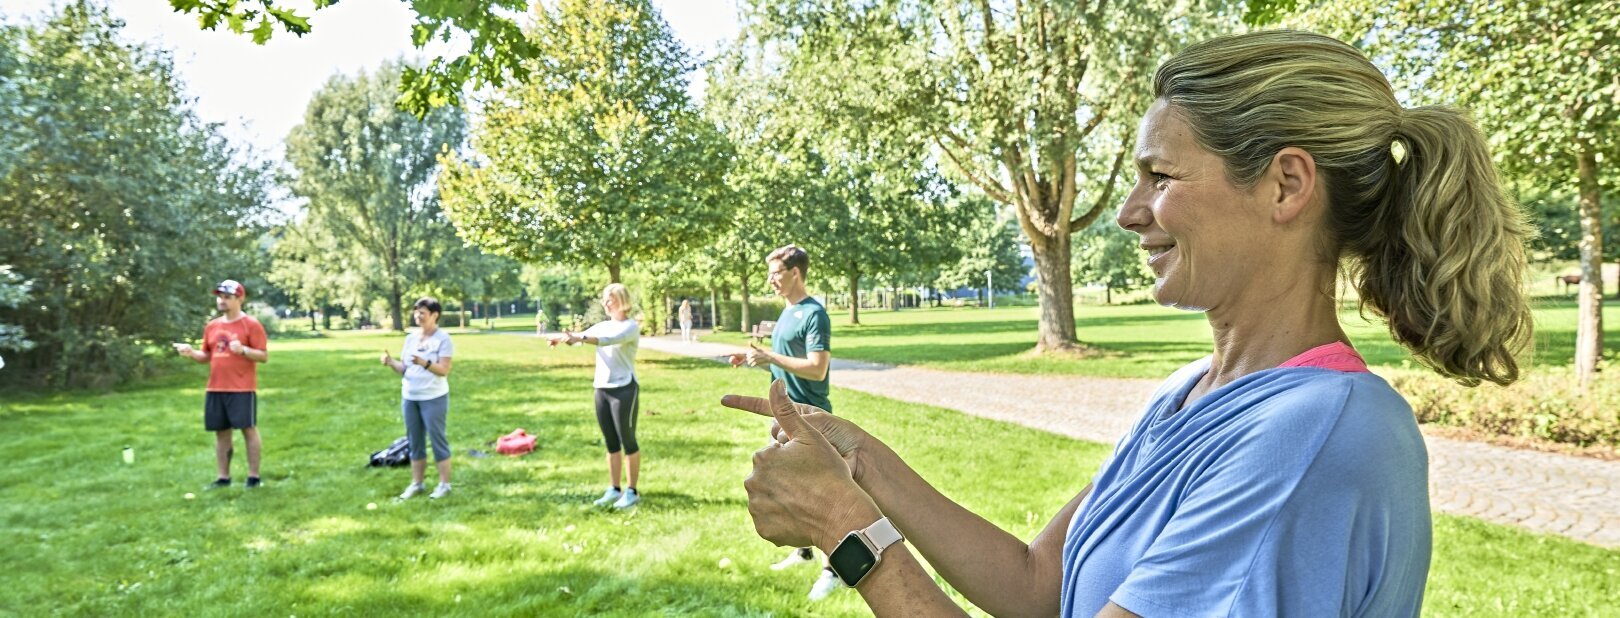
[(990, 288)]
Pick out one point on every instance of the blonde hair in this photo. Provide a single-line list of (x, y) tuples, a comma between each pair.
[(1416, 211), (619, 294)]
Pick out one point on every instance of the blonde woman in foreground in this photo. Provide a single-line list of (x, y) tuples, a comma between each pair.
[(1277, 476)]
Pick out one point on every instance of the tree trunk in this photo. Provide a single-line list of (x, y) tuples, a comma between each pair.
[(1057, 293), (1108, 294), (743, 326), (613, 271), (394, 296), (463, 313), (311, 318), (854, 297), (714, 309), (1589, 327), (669, 310)]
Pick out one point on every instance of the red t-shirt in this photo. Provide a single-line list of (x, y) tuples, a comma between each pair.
[(227, 372)]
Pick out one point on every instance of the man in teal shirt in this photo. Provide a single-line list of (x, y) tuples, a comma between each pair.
[(800, 355), (801, 345)]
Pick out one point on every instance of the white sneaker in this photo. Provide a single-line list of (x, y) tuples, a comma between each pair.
[(410, 492), (439, 492), (825, 585), (628, 499), (794, 558), (608, 497)]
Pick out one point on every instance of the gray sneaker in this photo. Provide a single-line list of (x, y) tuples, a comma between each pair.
[(628, 499), (608, 497), (439, 492), (411, 491), (825, 585)]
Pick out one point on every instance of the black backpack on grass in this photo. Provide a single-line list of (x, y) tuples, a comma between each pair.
[(397, 454)]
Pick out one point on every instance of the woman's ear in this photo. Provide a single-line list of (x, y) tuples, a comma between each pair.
[(1293, 175)]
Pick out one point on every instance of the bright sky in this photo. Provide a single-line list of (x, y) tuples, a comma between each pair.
[(260, 92)]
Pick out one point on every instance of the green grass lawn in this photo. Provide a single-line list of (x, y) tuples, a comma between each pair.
[(1135, 341), (85, 534)]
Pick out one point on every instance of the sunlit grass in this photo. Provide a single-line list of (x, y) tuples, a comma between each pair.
[(85, 534)]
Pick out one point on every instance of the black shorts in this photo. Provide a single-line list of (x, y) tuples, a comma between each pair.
[(222, 411)]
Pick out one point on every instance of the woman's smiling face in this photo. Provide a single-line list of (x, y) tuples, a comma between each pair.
[(1204, 236)]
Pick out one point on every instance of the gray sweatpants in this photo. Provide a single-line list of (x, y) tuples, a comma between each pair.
[(427, 417)]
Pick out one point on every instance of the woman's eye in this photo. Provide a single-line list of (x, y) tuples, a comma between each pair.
[(1159, 178)]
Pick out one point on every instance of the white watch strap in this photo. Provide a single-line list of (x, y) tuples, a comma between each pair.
[(882, 534)]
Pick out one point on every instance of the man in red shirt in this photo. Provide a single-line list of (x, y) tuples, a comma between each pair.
[(233, 346)]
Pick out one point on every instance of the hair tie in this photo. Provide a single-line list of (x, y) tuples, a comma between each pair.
[(1397, 142)]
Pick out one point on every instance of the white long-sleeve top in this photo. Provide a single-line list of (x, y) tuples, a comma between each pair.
[(616, 345)]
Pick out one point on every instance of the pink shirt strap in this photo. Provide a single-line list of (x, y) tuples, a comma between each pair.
[(1337, 356)]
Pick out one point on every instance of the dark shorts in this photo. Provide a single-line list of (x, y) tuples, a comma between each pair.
[(222, 411)]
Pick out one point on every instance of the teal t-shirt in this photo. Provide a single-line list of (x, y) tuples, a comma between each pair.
[(803, 328)]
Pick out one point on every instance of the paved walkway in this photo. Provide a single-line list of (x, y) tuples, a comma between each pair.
[(1553, 493)]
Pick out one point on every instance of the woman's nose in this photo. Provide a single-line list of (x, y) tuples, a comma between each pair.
[(1134, 213)]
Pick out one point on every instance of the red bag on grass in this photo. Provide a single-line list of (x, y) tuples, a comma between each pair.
[(516, 443)]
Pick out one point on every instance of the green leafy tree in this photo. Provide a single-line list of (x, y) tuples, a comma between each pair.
[(1554, 208), (989, 244), (562, 291), (13, 293), (1109, 256), (864, 199), (304, 266), (116, 201), (496, 55), (761, 192), (369, 172), (1543, 80), (600, 158), (1033, 102)]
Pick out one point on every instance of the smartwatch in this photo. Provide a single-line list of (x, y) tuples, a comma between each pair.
[(861, 550)]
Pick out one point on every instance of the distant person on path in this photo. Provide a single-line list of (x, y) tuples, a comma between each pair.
[(539, 321), (618, 395), (424, 369), (801, 357), (685, 316), (1277, 476), (233, 345)]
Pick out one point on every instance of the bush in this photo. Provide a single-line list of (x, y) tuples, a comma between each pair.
[(1546, 405), (731, 313), (266, 315)]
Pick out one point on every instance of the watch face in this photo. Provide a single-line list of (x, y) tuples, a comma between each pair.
[(851, 560)]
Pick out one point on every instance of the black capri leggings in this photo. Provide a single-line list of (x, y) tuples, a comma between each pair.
[(616, 412)]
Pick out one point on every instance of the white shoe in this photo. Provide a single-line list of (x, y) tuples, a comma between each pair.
[(825, 585), (410, 492), (794, 558), (608, 497), (439, 492), (628, 499)]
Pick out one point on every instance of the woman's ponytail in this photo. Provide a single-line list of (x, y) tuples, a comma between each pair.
[(1444, 260)]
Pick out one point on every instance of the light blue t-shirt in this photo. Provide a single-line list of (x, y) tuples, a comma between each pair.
[(1289, 492)]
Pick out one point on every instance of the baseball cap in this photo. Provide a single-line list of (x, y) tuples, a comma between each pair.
[(230, 287)]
